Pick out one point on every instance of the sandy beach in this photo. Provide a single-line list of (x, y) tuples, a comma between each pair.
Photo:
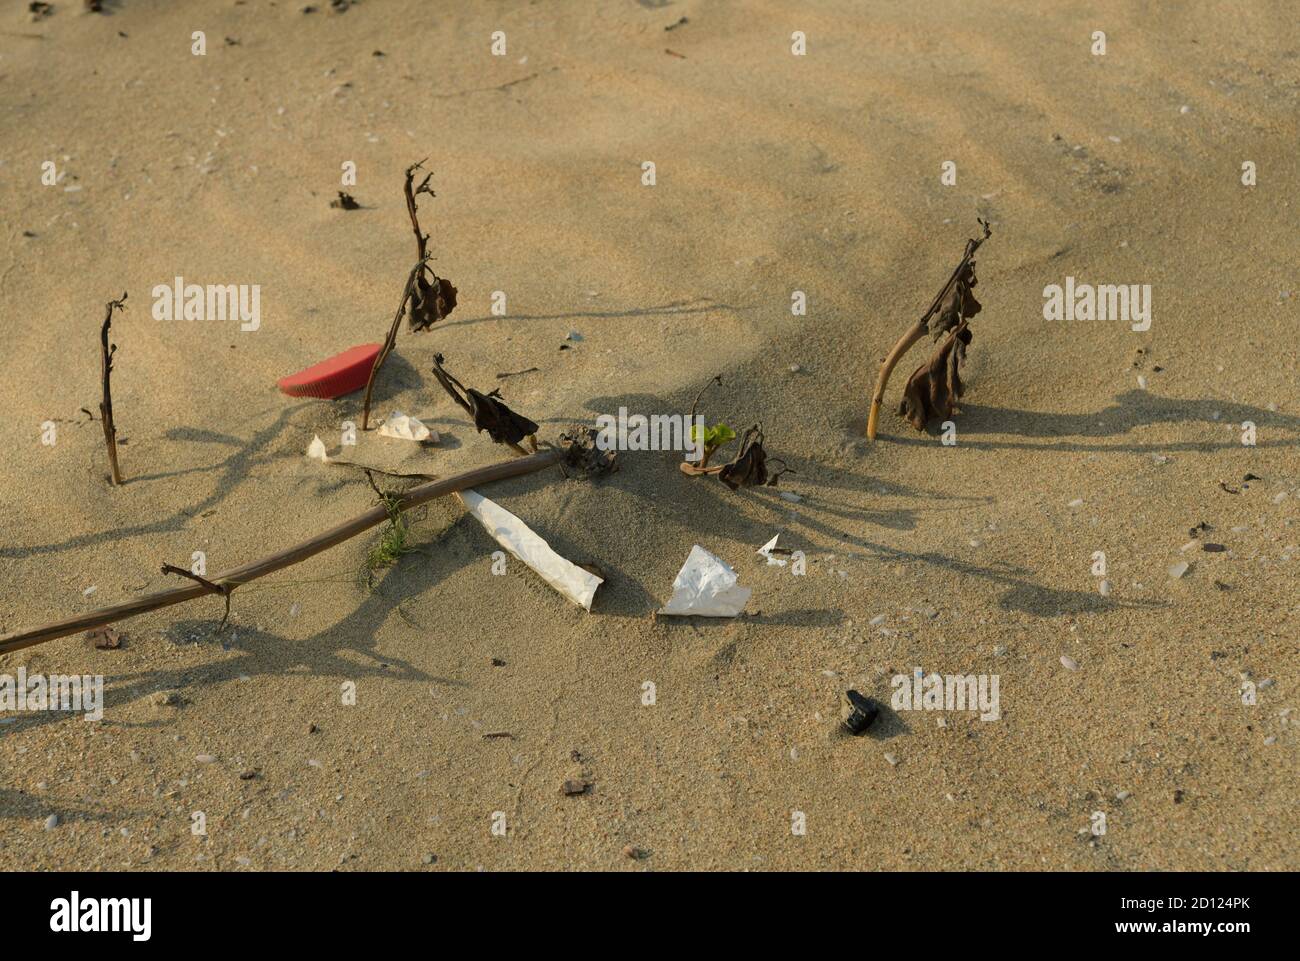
[(1163, 701)]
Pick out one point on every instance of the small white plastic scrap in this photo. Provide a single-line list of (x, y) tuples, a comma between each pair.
[(404, 428), (316, 450), (766, 551), (706, 587)]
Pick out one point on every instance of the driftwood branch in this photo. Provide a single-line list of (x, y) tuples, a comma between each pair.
[(916, 332), (231, 579), (106, 369), (391, 340)]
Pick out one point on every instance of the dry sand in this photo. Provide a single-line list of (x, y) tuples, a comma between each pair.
[(775, 173)]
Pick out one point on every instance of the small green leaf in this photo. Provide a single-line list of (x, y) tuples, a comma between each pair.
[(718, 435)]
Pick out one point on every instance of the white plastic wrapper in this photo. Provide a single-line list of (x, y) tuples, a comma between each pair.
[(316, 450), (766, 551), (514, 535), (706, 587), (405, 428)]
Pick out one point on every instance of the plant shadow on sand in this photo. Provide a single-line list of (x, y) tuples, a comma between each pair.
[(1130, 410), (345, 650), (265, 446), (700, 305), (831, 497)]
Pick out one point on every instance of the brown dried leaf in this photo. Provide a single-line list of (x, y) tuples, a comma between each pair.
[(935, 387), (489, 411), (749, 469), (492, 415), (430, 302), (958, 305)]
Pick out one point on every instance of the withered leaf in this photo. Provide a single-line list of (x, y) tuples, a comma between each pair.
[(958, 305), (489, 411), (492, 415), (430, 302), (749, 469), (935, 387)]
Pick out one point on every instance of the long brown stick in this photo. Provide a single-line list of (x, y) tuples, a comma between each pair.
[(106, 369), (390, 341), (293, 555), (915, 333)]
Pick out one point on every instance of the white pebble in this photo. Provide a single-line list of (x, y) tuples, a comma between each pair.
[(1104, 588), (1178, 570), (891, 758), (205, 758), (1069, 663)]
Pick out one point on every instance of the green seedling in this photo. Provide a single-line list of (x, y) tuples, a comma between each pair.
[(714, 437)]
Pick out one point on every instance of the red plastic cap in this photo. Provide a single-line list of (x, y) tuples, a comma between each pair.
[(341, 374)]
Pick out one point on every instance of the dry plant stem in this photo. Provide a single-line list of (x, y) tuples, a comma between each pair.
[(222, 589), (702, 467), (299, 552), (915, 333), (421, 239), (895, 355), (390, 341), (106, 369)]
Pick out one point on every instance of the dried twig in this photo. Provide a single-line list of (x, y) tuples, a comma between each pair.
[(390, 341), (920, 329), (285, 558), (425, 299), (421, 239), (106, 368), (433, 298), (222, 589)]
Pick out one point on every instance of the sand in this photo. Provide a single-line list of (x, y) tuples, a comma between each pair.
[(774, 173)]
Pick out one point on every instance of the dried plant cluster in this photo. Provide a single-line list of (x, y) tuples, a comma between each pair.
[(749, 469), (426, 298), (934, 389)]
